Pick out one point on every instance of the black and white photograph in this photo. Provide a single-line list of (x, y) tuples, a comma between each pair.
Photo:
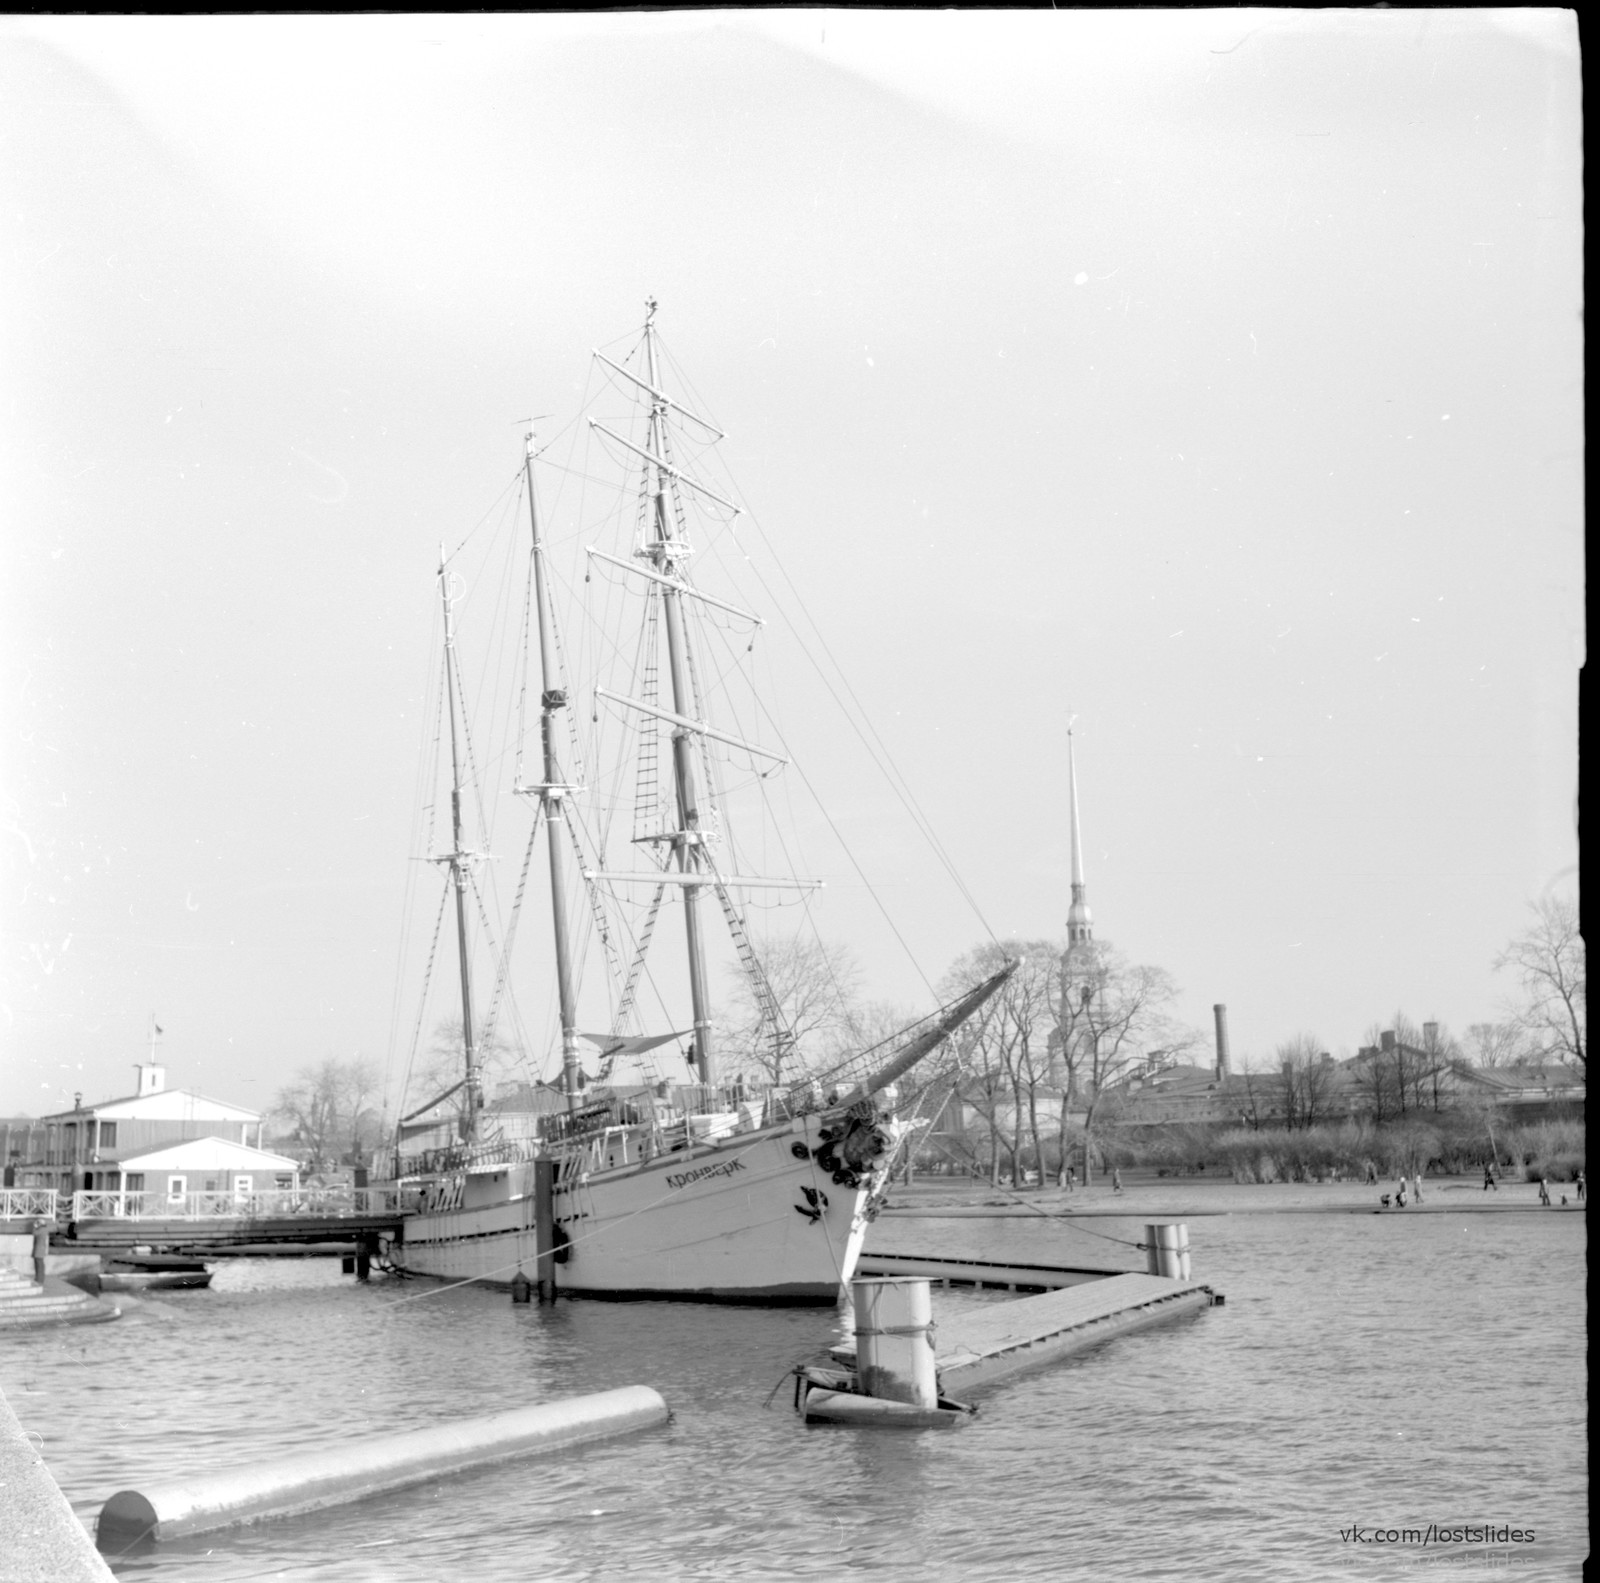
[(792, 793)]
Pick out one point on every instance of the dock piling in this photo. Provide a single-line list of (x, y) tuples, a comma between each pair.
[(894, 1340), (544, 1219), (1167, 1250)]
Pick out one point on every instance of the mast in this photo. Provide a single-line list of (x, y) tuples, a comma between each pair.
[(552, 804), (665, 553), (458, 859)]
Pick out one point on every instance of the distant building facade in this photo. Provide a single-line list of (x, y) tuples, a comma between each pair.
[(82, 1149), (208, 1165)]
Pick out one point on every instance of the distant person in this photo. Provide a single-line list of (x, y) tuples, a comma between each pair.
[(1488, 1179), (1580, 1186), (1544, 1193), (1416, 1184), (1372, 1174), (1116, 1180), (1072, 1181)]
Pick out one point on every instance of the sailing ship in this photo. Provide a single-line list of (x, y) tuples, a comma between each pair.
[(716, 1189)]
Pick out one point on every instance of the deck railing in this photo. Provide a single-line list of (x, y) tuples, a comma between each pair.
[(27, 1203), (278, 1203)]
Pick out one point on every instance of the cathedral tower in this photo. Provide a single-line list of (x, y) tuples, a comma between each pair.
[(1080, 922)]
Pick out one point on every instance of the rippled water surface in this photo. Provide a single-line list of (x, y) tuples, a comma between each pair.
[(1366, 1371)]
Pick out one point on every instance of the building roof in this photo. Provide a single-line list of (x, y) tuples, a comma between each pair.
[(166, 1104), (209, 1154), (1522, 1079)]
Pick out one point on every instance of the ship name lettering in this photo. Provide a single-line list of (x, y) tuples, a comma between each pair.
[(725, 1168)]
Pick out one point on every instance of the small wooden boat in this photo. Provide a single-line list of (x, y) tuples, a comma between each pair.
[(144, 1272)]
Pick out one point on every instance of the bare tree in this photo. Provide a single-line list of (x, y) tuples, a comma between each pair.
[(1108, 1012), (1004, 1048), (1307, 1082), (1258, 1097), (1376, 1077), (1486, 1111), (1549, 961), (1496, 1043), (331, 1110), (1441, 1056), (1416, 1065), (814, 986), (443, 1070)]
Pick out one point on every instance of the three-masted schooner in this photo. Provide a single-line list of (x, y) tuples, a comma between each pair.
[(708, 1190)]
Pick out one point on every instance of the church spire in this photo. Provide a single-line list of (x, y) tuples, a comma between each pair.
[(1080, 921)]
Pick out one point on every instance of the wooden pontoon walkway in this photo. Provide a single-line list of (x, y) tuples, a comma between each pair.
[(983, 1272), (977, 1348)]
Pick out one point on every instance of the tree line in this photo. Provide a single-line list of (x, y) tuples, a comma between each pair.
[(1040, 1064)]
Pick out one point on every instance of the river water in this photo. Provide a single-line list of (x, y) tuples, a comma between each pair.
[(1367, 1372)]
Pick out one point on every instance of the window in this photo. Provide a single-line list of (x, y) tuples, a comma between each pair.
[(177, 1188), (108, 1134), (135, 1181)]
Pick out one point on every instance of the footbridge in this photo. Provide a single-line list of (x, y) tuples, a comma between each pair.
[(89, 1222)]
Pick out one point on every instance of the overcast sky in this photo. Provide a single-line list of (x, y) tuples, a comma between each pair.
[(1212, 377)]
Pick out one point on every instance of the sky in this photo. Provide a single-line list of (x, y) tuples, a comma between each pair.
[(1209, 379)]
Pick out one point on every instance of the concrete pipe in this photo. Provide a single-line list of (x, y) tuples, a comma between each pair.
[(366, 1467)]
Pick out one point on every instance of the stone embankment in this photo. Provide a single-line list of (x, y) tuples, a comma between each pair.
[(41, 1541), (26, 1302), (1146, 1197)]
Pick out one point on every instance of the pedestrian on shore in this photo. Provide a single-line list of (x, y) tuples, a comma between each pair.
[(1488, 1179), (1116, 1180), (1580, 1187), (1544, 1193), (41, 1250), (1372, 1174), (1072, 1179), (1416, 1182)]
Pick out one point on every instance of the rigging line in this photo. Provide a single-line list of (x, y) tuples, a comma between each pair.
[(525, 645), (428, 771), (885, 763), (496, 505), (502, 977), (491, 681), (844, 846), (879, 754), (602, 921), (421, 809), (422, 999)]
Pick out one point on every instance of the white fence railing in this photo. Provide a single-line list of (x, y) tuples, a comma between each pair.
[(277, 1204), (27, 1203)]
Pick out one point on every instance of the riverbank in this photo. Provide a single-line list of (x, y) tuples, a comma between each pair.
[(1165, 1198)]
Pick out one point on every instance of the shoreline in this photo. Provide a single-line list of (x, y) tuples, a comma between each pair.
[(1168, 1198)]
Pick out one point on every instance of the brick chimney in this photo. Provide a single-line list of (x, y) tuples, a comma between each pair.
[(1221, 1015)]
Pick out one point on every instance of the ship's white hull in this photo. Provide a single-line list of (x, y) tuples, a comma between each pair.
[(752, 1218)]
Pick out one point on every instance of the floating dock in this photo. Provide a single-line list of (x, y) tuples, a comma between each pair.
[(982, 1273), (978, 1348)]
